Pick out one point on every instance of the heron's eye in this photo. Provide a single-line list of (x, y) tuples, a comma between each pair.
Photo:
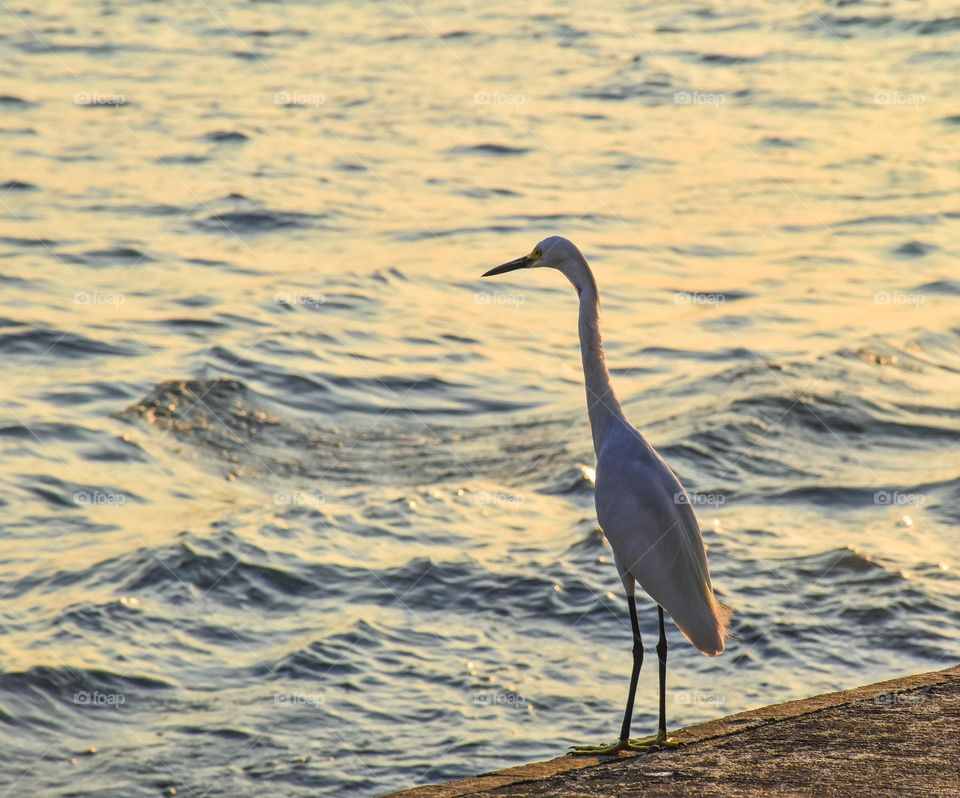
[(537, 253)]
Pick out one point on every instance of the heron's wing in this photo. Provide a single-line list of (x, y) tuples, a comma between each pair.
[(646, 515)]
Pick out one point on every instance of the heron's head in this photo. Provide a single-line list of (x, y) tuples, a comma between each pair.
[(554, 252)]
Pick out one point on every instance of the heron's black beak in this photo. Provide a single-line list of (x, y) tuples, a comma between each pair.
[(519, 263)]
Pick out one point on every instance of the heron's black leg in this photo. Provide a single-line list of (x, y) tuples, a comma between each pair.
[(662, 656), (637, 664), (645, 744)]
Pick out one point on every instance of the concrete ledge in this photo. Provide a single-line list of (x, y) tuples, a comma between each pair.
[(900, 737)]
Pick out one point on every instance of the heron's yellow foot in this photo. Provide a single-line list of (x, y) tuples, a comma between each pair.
[(653, 743), (598, 750), (641, 744)]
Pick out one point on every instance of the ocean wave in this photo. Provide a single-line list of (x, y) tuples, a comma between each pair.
[(221, 570), (254, 221), (63, 682), (62, 344)]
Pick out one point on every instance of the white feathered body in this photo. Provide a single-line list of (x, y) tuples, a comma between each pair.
[(646, 515)]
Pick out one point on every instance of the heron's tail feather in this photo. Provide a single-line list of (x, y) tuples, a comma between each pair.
[(723, 614), (709, 631)]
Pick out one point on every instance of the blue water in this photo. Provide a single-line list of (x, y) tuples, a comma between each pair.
[(293, 503)]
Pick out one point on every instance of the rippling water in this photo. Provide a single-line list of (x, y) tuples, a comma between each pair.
[(294, 504)]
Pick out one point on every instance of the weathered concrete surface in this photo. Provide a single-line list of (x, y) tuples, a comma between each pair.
[(895, 738)]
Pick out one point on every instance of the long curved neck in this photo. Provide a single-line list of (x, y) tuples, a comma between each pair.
[(602, 404)]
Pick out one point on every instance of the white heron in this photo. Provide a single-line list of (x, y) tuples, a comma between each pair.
[(642, 508)]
